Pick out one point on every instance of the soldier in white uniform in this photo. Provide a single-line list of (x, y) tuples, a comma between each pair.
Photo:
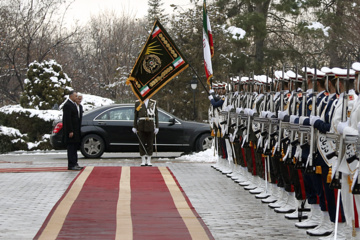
[(345, 165)]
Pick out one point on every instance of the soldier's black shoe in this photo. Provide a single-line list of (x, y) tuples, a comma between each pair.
[(75, 168)]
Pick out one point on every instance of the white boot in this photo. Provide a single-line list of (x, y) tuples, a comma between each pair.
[(314, 218), (231, 169), (235, 172), (259, 187), (274, 194), (266, 191), (295, 215), (252, 184), (217, 164), (148, 161), (243, 176), (222, 164), (289, 205), (325, 228), (228, 167), (341, 233), (143, 161), (282, 198), (248, 176)]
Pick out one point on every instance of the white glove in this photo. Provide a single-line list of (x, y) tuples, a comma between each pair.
[(238, 110), (282, 114), (246, 111), (313, 119), (210, 97), (211, 91), (229, 107), (156, 131), (341, 126), (263, 114), (236, 94), (269, 115), (302, 119), (231, 137), (293, 118), (251, 112), (134, 130)]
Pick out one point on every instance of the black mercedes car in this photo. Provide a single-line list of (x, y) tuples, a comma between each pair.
[(108, 129)]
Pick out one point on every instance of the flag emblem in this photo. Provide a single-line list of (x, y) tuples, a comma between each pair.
[(144, 90), (178, 62), (156, 31)]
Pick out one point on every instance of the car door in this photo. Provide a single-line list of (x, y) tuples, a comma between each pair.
[(117, 123), (171, 133)]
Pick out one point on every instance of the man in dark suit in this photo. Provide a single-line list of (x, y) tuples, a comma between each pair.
[(71, 130), (146, 125)]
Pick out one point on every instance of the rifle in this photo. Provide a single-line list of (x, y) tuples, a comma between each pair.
[(299, 163), (310, 168), (267, 147), (292, 110), (248, 118), (278, 144)]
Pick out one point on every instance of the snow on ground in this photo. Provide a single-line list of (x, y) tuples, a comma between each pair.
[(205, 156)]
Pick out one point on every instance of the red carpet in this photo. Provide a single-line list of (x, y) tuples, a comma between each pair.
[(124, 203)]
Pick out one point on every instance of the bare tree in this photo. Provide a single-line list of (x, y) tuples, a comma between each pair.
[(31, 30)]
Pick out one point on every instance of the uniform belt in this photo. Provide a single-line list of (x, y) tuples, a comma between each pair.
[(146, 119)]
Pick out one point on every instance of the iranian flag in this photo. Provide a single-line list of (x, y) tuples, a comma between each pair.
[(207, 45), (144, 90)]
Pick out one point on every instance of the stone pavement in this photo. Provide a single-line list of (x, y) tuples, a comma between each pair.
[(229, 211)]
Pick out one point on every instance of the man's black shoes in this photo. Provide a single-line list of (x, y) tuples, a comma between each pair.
[(76, 168)]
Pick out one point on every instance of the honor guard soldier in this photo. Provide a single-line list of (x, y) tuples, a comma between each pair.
[(315, 103), (286, 202), (344, 165), (146, 126), (217, 101), (259, 97), (243, 174), (323, 159), (350, 167)]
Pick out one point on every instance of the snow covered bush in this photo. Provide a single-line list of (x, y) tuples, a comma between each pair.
[(11, 140), (46, 85)]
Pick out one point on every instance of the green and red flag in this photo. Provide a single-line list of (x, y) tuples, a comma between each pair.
[(159, 61), (207, 45)]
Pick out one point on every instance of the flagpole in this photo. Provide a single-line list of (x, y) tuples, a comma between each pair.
[(199, 79)]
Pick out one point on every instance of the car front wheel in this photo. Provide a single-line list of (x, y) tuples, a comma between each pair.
[(204, 142), (92, 146)]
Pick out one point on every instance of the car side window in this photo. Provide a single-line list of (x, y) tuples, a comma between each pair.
[(117, 114), (163, 117)]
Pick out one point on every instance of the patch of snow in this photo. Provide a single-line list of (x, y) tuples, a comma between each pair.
[(237, 33), (9, 131), (204, 156), (317, 25)]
